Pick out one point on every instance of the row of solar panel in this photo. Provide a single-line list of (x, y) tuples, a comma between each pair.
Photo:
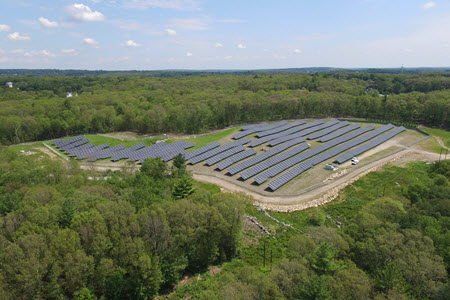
[(246, 127), (273, 161), (259, 158), (284, 133), (258, 129), (303, 132), (80, 148), (372, 144), (296, 171), (208, 154), (308, 154), (281, 128)]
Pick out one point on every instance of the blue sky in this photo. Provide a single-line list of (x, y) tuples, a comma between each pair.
[(191, 34)]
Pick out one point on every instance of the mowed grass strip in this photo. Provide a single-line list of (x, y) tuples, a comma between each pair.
[(205, 140)]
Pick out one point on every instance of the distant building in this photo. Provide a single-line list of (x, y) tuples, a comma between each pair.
[(69, 94), (9, 84)]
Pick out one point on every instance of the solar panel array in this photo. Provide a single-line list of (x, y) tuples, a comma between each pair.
[(74, 144), (108, 152), (340, 132), (221, 156), (318, 134), (302, 133), (236, 158), (308, 154), (202, 150), (88, 152), (196, 159), (281, 128), (372, 144), (258, 129), (273, 161), (246, 127), (259, 158), (81, 148), (126, 153), (284, 133), (296, 171)]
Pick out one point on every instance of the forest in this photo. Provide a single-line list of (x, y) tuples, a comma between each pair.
[(37, 108), (131, 235)]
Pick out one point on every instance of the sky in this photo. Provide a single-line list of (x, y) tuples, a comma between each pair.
[(207, 34)]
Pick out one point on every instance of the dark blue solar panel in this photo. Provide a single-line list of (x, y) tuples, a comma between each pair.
[(236, 158)]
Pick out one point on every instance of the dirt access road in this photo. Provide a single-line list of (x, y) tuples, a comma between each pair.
[(323, 194)]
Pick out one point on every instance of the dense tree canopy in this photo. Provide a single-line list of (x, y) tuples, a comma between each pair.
[(37, 107)]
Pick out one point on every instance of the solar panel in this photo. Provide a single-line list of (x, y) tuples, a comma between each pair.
[(284, 133), (291, 174), (215, 151), (60, 143), (107, 152), (244, 133), (221, 156), (258, 129), (326, 131), (259, 158), (236, 158), (273, 161), (202, 150), (74, 144), (371, 144), (246, 127), (124, 154), (281, 167), (302, 133), (281, 128), (340, 132)]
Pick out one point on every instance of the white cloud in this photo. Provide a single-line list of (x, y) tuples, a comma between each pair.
[(171, 31), (188, 54), (230, 21), (47, 23), (188, 24), (1, 51), (171, 60), (68, 51), (298, 51), (228, 57), (4, 27), (428, 5), (90, 41), (15, 36), (17, 51), (218, 45), (167, 4), (408, 50), (131, 43), (39, 53), (82, 13), (241, 46)]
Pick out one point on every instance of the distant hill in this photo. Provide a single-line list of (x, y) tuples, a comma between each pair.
[(171, 73)]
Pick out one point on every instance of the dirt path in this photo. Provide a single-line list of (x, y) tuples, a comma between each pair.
[(321, 195), (441, 143)]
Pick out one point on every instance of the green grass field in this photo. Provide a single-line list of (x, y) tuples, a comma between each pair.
[(205, 140)]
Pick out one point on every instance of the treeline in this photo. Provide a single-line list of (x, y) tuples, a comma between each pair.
[(381, 240), (37, 107), (63, 236)]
